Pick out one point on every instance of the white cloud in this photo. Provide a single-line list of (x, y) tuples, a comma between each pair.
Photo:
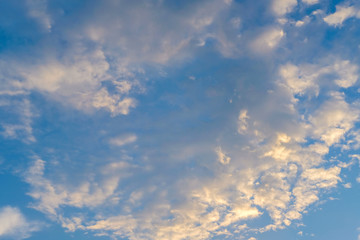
[(77, 81), (302, 22), (304, 79), (222, 157), (334, 119), (282, 174), (123, 140), (341, 14), (51, 196), (310, 2), (243, 121), (347, 72), (96, 52), (113, 103), (13, 224), (281, 7), (323, 178), (268, 40)]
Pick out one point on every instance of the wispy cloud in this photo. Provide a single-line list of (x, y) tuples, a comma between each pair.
[(123, 140)]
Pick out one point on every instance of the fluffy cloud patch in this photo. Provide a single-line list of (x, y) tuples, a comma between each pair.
[(186, 164), (341, 14), (222, 157), (308, 78), (51, 196), (99, 65), (281, 7), (13, 224)]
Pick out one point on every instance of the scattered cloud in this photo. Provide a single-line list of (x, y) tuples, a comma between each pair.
[(123, 140), (222, 157), (268, 40), (194, 166), (282, 7), (342, 13), (243, 121), (88, 193), (13, 224)]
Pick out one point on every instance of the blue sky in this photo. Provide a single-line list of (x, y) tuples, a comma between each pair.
[(156, 119)]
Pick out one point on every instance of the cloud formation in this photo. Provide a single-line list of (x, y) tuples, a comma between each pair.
[(342, 13), (13, 224), (178, 119)]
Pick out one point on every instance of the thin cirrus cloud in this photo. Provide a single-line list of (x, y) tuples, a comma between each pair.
[(112, 138)]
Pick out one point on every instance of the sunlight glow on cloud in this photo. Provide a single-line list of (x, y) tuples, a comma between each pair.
[(178, 119)]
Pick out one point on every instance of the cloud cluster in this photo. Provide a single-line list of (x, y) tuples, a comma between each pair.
[(282, 170), (203, 168)]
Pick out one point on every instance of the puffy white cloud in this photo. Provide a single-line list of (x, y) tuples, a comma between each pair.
[(307, 78), (13, 224), (347, 73), (333, 119), (281, 7), (341, 14), (298, 80)]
